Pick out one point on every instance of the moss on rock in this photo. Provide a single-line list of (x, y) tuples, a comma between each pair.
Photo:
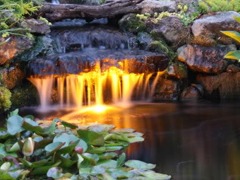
[(25, 95), (5, 99), (132, 23)]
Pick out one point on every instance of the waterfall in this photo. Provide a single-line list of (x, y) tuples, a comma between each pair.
[(95, 88), (55, 2)]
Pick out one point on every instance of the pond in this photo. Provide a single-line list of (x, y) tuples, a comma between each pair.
[(185, 140)]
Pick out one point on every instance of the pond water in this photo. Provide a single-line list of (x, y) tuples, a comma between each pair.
[(185, 140)]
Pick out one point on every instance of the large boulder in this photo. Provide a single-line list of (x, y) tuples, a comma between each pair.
[(227, 85), (13, 46), (172, 30), (204, 59), (207, 29)]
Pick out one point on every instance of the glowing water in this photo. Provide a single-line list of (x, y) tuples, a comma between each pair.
[(94, 88)]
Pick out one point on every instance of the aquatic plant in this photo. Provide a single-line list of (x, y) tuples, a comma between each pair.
[(5, 99), (62, 150), (206, 6), (233, 55)]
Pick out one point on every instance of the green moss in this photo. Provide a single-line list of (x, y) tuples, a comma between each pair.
[(5, 99), (133, 23), (25, 95), (161, 46)]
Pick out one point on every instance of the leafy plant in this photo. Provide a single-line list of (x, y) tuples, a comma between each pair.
[(234, 55), (63, 150), (12, 12), (219, 5), (182, 14)]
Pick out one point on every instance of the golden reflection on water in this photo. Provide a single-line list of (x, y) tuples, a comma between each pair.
[(188, 142)]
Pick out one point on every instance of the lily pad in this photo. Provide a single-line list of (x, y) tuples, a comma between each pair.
[(91, 137), (14, 124), (136, 164)]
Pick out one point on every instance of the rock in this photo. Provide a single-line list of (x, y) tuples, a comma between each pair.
[(177, 70), (167, 90), (226, 84), (13, 46), (144, 40), (192, 93), (131, 23), (41, 47), (233, 68), (174, 32), (12, 76), (36, 26), (137, 61), (161, 46), (152, 6), (204, 59), (208, 28), (24, 95)]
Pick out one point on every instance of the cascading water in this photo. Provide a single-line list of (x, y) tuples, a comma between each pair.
[(55, 2), (93, 65), (95, 88)]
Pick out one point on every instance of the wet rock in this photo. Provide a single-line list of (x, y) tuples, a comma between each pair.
[(42, 47), (24, 95), (177, 70), (144, 40), (161, 46), (233, 68), (12, 76), (204, 59), (174, 32), (167, 90), (13, 46), (131, 23), (152, 6), (36, 26), (104, 37), (137, 61), (206, 30), (192, 93), (226, 84)]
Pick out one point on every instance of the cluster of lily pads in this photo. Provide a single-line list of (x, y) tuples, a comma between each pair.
[(62, 150)]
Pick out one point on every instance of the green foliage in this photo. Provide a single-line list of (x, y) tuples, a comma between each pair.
[(233, 55), (5, 96), (206, 6), (63, 150), (133, 23), (12, 12), (181, 13)]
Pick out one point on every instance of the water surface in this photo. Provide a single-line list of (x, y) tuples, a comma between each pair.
[(186, 141)]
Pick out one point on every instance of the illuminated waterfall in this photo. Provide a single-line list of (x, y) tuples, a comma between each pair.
[(95, 87)]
